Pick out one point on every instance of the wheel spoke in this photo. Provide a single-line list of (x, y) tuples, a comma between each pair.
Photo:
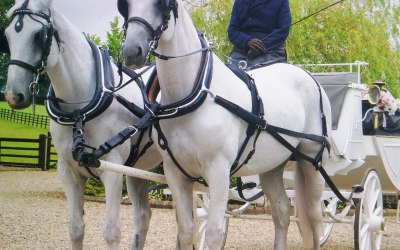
[(378, 240), (363, 219), (378, 211), (373, 241), (364, 241), (365, 205), (373, 198), (364, 229)]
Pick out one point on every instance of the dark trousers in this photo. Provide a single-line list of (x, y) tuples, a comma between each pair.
[(241, 58)]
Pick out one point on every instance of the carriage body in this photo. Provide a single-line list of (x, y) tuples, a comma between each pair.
[(356, 151)]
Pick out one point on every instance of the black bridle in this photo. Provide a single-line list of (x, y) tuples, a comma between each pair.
[(155, 32), (49, 31)]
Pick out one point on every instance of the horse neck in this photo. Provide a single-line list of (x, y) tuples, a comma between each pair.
[(73, 76), (177, 76)]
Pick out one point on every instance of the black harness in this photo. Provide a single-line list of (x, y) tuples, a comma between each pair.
[(104, 89), (200, 91), (103, 97)]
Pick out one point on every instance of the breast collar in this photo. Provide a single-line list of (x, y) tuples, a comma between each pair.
[(101, 100), (198, 94)]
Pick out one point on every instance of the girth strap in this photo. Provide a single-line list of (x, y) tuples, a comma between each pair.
[(163, 142)]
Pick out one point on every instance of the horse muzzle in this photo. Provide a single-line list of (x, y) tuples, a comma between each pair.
[(18, 100), (134, 58)]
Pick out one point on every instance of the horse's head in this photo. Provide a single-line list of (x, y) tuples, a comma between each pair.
[(145, 21), (30, 38)]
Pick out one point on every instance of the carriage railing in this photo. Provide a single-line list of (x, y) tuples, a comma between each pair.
[(349, 68)]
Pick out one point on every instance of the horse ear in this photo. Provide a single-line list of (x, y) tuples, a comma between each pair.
[(123, 8), (3, 42)]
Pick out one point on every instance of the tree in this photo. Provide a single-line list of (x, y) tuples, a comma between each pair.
[(347, 32), (5, 5), (350, 31)]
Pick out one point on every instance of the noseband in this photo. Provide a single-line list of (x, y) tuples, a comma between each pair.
[(45, 37), (155, 33)]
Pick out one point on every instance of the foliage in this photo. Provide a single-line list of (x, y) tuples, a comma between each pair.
[(212, 19), (348, 32), (5, 5), (114, 38)]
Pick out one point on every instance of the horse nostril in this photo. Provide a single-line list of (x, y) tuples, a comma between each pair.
[(140, 51), (19, 98)]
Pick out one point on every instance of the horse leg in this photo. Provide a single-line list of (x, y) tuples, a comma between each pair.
[(73, 185), (113, 189), (309, 188), (273, 187), (218, 182), (137, 191), (182, 194)]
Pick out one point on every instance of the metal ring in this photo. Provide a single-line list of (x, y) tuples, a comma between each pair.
[(242, 64), (34, 88)]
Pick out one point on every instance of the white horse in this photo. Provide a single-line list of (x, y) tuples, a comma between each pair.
[(204, 143), (42, 40)]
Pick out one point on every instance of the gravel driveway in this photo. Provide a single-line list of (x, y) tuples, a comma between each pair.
[(33, 215)]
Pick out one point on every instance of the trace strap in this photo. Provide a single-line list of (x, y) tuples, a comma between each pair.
[(92, 159)]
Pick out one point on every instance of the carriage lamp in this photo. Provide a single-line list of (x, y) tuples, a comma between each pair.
[(374, 91)]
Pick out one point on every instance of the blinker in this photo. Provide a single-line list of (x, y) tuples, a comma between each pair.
[(4, 47)]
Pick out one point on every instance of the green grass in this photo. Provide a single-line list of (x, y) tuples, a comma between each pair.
[(10, 129), (39, 109), (17, 130)]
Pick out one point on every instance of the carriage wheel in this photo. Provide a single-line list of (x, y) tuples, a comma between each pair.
[(368, 221), (202, 200), (327, 226)]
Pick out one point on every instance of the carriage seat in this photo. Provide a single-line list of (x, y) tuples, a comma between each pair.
[(336, 85)]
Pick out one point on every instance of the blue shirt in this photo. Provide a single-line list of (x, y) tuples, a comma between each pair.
[(269, 19)]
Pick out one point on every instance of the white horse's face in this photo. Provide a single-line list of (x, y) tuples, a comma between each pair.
[(26, 45), (147, 16)]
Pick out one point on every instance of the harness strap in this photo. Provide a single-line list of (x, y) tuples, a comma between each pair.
[(146, 146), (163, 142), (240, 188), (79, 145), (92, 159), (316, 162), (165, 57), (135, 155), (239, 180), (33, 69)]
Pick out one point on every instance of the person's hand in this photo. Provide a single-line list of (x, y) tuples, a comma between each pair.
[(256, 46)]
